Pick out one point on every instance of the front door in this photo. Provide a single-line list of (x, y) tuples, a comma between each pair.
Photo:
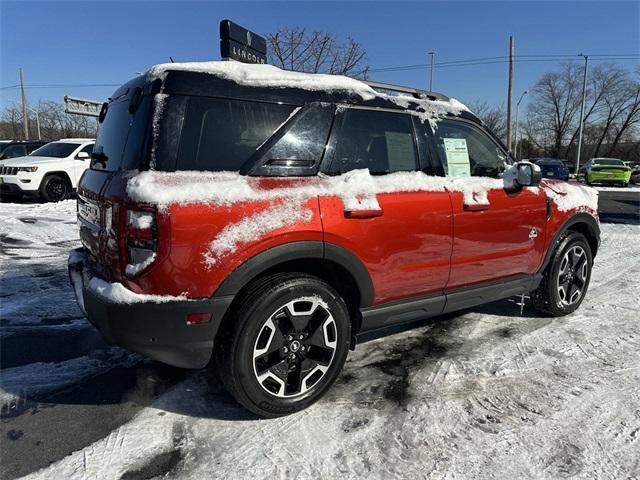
[(502, 237)]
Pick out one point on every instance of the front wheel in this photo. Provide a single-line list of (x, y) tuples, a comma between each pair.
[(566, 278), (54, 188), (284, 345)]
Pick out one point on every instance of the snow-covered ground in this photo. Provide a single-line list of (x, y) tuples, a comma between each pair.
[(488, 393)]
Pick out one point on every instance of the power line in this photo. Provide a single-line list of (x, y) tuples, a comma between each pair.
[(64, 85), (504, 59), (469, 62)]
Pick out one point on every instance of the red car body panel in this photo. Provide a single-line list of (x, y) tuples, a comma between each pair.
[(420, 243), (406, 250), (495, 243)]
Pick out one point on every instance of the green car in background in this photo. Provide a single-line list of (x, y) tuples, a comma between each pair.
[(606, 171)]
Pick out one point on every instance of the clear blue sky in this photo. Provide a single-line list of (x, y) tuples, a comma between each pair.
[(108, 42)]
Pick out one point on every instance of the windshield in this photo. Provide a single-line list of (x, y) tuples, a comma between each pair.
[(55, 149), (607, 161)]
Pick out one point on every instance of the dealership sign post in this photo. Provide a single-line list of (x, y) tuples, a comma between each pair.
[(238, 43)]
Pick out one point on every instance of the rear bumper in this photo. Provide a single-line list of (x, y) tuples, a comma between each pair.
[(598, 177), (156, 330)]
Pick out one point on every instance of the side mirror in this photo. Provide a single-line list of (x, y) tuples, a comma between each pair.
[(83, 156), (527, 174)]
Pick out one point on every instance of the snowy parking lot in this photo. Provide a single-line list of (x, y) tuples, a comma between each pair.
[(486, 393)]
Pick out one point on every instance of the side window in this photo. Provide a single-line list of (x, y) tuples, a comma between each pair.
[(31, 147), (468, 151), (221, 135), (382, 142), (14, 151), (305, 140)]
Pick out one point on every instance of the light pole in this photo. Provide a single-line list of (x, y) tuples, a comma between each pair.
[(584, 97), (432, 55), (516, 133), (37, 112)]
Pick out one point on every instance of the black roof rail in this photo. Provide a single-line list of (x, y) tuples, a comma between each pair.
[(415, 92)]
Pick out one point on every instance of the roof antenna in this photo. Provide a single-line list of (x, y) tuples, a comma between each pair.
[(172, 61)]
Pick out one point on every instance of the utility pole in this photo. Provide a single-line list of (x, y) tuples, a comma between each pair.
[(509, 93), (25, 118), (515, 147), (584, 98), (432, 54)]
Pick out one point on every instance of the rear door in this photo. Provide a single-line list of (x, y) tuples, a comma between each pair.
[(502, 238), (404, 239)]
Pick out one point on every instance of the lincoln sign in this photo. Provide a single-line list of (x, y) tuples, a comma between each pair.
[(240, 44)]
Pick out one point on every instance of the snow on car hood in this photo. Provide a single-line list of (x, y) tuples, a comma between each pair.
[(571, 196), (31, 161)]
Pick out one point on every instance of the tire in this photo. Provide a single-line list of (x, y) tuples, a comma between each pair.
[(566, 278), (54, 188), (284, 345)]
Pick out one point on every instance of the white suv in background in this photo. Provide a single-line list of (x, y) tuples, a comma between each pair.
[(51, 172)]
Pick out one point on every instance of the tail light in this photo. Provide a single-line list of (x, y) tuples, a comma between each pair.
[(140, 242)]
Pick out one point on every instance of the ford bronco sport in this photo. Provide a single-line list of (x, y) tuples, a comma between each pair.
[(264, 219)]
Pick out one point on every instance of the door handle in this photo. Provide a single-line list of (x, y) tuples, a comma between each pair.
[(363, 213), (475, 207)]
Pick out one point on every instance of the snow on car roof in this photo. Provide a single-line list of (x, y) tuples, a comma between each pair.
[(76, 140), (269, 76)]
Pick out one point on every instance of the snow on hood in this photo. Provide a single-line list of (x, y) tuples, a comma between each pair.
[(571, 196), (274, 77), (30, 161)]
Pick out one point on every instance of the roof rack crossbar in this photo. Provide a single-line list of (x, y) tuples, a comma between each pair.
[(417, 93)]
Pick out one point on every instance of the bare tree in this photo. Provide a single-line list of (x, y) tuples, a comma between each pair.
[(294, 48), (55, 123), (555, 100), (493, 116), (612, 110)]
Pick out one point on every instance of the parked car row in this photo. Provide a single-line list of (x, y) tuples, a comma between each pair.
[(49, 171), (604, 171)]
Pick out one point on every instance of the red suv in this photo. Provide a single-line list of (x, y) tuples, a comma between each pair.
[(267, 218)]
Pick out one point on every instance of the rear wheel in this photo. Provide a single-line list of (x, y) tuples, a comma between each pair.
[(54, 188), (566, 278), (284, 345)]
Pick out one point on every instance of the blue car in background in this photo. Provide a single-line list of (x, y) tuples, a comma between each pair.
[(552, 168)]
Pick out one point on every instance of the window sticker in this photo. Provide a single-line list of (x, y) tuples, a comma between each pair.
[(400, 150), (457, 157)]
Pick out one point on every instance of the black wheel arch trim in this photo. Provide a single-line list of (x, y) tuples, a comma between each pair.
[(272, 257), (580, 218)]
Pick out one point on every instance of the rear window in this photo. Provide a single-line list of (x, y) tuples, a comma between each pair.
[(121, 137), (607, 161), (221, 135)]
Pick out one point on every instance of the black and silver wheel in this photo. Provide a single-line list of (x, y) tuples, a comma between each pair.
[(54, 188), (284, 345), (566, 278)]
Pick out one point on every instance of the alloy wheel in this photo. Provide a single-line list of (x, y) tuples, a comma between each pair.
[(295, 347), (572, 275)]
